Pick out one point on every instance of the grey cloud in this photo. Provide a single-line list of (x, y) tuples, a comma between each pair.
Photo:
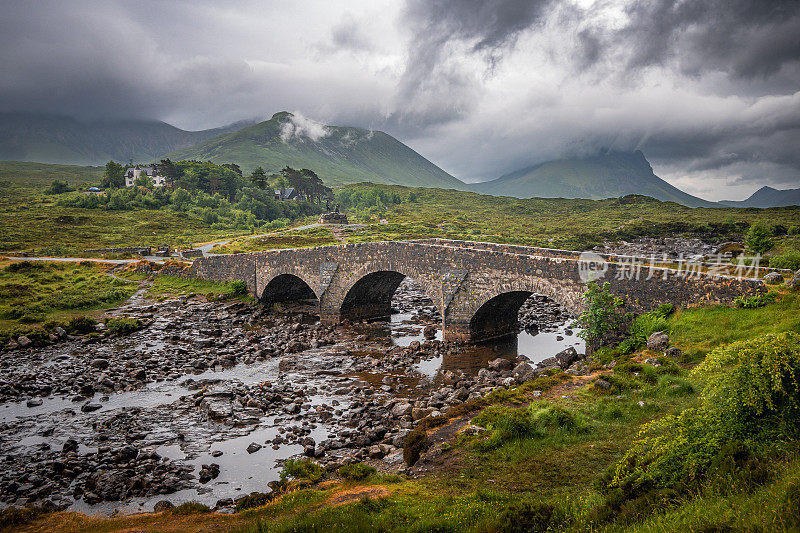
[(348, 35), (435, 86), (744, 38)]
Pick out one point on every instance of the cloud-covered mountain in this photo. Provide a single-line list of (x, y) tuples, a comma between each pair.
[(768, 197), (337, 154), (607, 175), (58, 139)]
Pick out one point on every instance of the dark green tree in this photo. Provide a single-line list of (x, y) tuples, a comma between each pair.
[(259, 178), (114, 176), (234, 167), (170, 171)]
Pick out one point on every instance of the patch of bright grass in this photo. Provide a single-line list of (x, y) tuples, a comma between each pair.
[(33, 293), (166, 286), (697, 331)]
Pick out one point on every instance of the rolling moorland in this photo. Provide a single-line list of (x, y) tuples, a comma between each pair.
[(704, 439)]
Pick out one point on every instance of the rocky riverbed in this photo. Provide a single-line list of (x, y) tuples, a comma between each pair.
[(205, 401)]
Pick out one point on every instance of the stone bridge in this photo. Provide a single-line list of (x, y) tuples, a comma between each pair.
[(477, 287)]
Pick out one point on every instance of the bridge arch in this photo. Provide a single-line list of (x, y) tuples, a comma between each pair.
[(498, 316), (287, 287), (496, 313), (369, 296)]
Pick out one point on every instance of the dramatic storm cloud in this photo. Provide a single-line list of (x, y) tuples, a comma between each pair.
[(708, 89)]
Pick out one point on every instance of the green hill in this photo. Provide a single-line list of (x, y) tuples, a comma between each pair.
[(65, 140), (339, 155), (608, 175)]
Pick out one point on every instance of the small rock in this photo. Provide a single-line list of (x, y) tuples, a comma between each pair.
[(658, 341), (89, 407), (602, 384), (253, 447), (34, 402), (429, 332), (673, 352), (773, 277), (100, 364), (24, 341)]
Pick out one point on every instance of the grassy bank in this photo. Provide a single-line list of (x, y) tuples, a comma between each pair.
[(35, 296)]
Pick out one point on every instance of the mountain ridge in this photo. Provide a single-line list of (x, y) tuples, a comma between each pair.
[(61, 139), (767, 197), (338, 154), (606, 175)]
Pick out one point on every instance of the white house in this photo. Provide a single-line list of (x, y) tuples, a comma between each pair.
[(152, 171)]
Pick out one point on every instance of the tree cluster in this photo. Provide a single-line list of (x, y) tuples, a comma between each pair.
[(305, 182)]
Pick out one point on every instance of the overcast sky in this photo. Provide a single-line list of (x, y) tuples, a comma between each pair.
[(709, 90)]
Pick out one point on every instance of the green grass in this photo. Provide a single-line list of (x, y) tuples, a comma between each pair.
[(319, 236), (35, 293), (30, 220), (166, 286), (699, 330), (28, 176), (551, 222)]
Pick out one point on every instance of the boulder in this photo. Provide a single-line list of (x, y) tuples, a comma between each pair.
[(418, 413), (501, 364), (163, 505), (566, 357), (524, 372), (89, 407), (375, 452), (773, 277), (402, 409), (460, 395), (253, 447), (602, 384), (429, 332), (794, 283), (658, 341), (24, 341)]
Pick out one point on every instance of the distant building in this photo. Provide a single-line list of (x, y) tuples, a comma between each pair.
[(152, 171), (287, 194)]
